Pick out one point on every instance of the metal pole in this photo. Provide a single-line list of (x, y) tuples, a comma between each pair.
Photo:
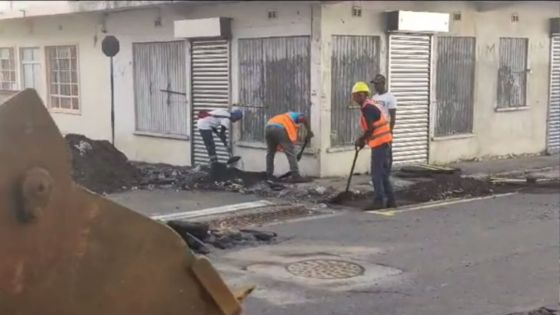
[(112, 106)]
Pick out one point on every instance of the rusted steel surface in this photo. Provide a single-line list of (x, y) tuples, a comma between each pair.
[(512, 74), (454, 85), (354, 58), (67, 251), (274, 77)]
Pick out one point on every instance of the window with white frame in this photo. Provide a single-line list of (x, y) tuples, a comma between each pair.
[(7, 69), (62, 78), (30, 68)]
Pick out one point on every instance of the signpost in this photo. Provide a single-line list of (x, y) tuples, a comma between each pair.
[(110, 47)]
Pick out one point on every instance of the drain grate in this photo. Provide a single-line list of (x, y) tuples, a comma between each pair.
[(325, 269)]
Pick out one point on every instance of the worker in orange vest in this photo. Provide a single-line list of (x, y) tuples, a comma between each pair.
[(281, 131), (378, 136)]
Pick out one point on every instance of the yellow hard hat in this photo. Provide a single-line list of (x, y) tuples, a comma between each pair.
[(360, 87)]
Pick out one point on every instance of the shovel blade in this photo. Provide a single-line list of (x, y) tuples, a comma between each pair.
[(233, 159), (342, 197)]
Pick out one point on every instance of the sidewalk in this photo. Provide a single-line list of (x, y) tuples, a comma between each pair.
[(545, 165), (312, 194)]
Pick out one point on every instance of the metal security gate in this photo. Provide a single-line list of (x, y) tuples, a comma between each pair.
[(553, 130), (210, 70), (409, 81)]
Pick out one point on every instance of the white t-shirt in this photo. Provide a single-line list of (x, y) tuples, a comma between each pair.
[(387, 101), (217, 118)]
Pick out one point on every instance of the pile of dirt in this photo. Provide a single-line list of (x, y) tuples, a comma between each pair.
[(99, 166), (444, 187), (438, 187), (540, 311), (165, 176), (221, 178)]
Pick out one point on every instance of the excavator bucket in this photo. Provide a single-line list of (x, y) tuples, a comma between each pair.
[(67, 251)]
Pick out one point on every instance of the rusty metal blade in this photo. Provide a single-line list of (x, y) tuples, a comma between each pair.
[(67, 251)]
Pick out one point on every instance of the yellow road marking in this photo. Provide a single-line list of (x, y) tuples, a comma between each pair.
[(428, 205)]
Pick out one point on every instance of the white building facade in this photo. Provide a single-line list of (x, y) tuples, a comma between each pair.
[(485, 84)]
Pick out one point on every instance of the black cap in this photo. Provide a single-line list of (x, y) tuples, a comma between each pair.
[(378, 78)]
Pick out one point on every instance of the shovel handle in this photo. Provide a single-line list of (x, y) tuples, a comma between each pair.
[(352, 169), (300, 153)]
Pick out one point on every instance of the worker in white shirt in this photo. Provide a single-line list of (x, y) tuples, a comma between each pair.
[(388, 103), (216, 121)]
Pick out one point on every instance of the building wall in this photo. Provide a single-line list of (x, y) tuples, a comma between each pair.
[(139, 25), (494, 133), (81, 30), (250, 20)]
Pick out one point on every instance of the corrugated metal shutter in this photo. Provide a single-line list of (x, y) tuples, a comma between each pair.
[(210, 90), (553, 134), (409, 81)]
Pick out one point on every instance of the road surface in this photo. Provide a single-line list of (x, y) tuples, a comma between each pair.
[(492, 256)]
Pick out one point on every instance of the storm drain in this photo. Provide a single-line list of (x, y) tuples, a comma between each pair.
[(325, 269)]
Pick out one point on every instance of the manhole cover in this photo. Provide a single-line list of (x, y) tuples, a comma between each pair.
[(325, 269)]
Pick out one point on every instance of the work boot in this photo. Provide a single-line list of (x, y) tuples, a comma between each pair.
[(294, 179), (374, 205), (391, 204)]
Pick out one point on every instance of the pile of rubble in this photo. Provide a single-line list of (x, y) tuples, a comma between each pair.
[(199, 236), (446, 186), (540, 311), (99, 166), (164, 176)]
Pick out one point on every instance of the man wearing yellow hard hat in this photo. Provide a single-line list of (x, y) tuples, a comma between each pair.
[(376, 129)]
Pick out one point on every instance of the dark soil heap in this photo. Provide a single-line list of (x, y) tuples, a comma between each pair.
[(540, 311), (446, 186), (99, 166)]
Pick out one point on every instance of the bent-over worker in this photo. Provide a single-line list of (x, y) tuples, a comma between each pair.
[(377, 135), (209, 123), (281, 131)]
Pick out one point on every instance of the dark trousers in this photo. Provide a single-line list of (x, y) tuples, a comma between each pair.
[(380, 172), (278, 136), (208, 139)]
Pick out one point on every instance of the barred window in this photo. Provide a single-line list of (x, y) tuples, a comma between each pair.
[(512, 75)]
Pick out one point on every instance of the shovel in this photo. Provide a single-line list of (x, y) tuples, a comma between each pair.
[(346, 194), (232, 159)]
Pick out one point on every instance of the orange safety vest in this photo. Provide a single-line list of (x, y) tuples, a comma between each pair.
[(381, 128), (286, 121)]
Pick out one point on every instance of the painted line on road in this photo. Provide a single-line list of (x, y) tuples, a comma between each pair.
[(308, 218), (390, 213), (213, 211)]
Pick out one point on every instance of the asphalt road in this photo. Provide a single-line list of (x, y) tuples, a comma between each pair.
[(492, 256)]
